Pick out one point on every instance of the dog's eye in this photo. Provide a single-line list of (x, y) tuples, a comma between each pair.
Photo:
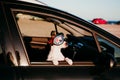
[(60, 40)]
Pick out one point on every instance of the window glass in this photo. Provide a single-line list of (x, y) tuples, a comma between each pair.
[(36, 33)]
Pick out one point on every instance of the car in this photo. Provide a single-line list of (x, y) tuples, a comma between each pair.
[(24, 34), (99, 21)]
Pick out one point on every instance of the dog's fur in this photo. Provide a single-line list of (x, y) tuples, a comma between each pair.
[(55, 55)]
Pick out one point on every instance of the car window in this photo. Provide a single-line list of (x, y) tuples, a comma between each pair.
[(108, 47), (36, 31)]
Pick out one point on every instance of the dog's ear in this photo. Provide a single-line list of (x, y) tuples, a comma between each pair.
[(59, 39)]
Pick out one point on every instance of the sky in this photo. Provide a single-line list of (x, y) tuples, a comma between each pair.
[(88, 9)]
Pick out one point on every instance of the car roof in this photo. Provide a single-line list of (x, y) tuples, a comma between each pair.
[(34, 2)]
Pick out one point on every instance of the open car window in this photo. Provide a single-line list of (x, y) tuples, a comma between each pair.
[(35, 30)]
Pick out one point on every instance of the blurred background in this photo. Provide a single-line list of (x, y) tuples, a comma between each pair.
[(89, 9), (104, 13)]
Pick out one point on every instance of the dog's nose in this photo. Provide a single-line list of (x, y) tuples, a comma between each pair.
[(66, 43)]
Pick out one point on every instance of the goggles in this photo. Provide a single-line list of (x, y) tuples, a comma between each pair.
[(59, 39)]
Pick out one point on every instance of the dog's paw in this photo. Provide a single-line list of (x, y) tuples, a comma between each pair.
[(69, 61), (55, 62)]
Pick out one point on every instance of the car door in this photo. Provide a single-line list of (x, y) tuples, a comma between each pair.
[(35, 28)]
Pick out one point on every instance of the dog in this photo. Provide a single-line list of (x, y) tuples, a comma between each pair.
[(55, 55)]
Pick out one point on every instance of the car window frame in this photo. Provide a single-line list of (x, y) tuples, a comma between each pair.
[(46, 63)]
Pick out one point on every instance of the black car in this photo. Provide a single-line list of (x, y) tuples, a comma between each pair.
[(24, 34)]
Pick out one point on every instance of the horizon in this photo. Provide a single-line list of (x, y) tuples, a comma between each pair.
[(106, 9)]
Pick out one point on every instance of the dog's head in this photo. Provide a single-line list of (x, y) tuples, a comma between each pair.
[(60, 41)]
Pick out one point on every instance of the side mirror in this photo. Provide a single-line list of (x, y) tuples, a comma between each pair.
[(106, 60)]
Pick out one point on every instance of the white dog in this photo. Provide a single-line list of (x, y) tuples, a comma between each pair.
[(55, 55)]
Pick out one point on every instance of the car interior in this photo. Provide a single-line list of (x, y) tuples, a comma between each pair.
[(36, 38), (36, 29)]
